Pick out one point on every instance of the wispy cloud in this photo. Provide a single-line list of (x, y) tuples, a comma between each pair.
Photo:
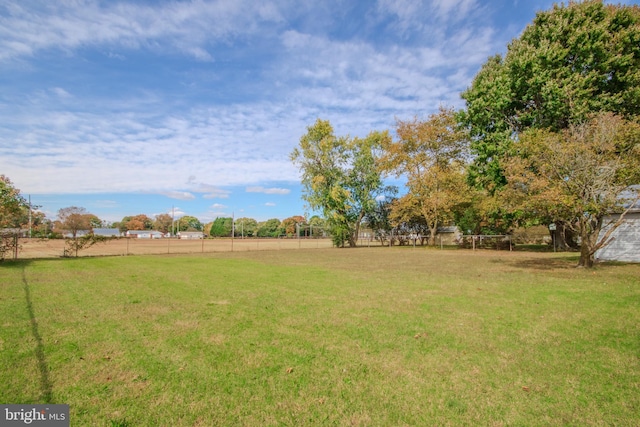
[(184, 27), (174, 212), (211, 192), (178, 195), (61, 93), (250, 78), (258, 189)]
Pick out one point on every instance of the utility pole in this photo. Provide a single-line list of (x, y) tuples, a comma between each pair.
[(173, 219), (29, 215)]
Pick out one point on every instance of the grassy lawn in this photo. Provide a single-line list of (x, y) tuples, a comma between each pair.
[(379, 336)]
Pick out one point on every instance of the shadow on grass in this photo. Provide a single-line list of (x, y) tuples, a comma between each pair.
[(546, 264), (46, 388), (15, 263), (533, 248)]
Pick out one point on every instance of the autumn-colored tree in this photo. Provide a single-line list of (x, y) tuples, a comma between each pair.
[(289, 226), (484, 213), (340, 177), (163, 223), (138, 222), (74, 219), (430, 155), (577, 176), (406, 217)]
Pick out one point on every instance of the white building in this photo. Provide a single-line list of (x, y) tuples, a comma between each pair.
[(190, 235), (145, 234), (625, 243)]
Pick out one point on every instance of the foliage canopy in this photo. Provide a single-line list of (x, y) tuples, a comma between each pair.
[(340, 177), (571, 62), (430, 154)]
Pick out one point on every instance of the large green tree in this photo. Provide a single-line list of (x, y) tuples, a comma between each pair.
[(14, 209), (221, 227), (246, 227), (269, 228), (14, 214), (290, 226), (340, 177), (574, 60), (189, 223)]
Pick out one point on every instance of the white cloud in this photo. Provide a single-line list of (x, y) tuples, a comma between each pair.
[(454, 9), (62, 140), (188, 27), (269, 204), (178, 195), (258, 189), (428, 20), (371, 82), (61, 93), (175, 212)]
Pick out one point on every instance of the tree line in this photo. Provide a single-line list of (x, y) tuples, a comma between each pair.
[(19, 218), (550, 134)]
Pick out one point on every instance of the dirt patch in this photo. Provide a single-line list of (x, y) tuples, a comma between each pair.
[(54, 248)]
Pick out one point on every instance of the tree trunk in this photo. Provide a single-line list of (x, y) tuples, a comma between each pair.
[(353, 237), (589, 232), (586, 256), (564, 237), (432, 235)]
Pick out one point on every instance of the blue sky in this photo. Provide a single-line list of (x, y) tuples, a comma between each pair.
[(129, 107)]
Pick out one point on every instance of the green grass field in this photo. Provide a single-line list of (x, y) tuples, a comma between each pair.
[(379, 336)]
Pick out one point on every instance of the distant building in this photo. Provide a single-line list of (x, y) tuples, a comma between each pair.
[(20, 232), (448, 235), (107, 232), (145, 234), (190, 235), (625, 245), (79, 233)]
